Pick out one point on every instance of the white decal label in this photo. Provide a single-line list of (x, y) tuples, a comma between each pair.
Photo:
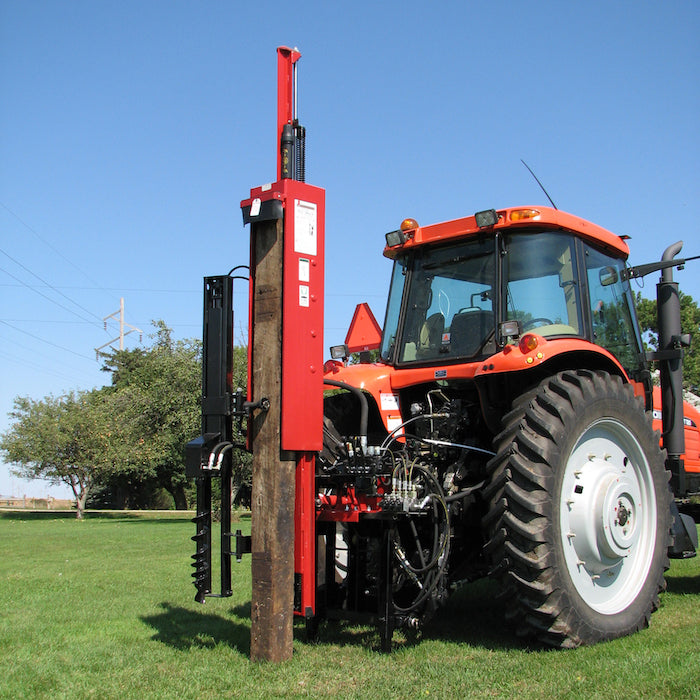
[(304, 270), (389, 402), (305, 227), (303, 295), (393, 424)]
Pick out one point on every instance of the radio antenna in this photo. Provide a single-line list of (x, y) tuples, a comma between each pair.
[(539, 183)]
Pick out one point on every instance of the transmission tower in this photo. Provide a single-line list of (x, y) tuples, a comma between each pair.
[(122, 325)]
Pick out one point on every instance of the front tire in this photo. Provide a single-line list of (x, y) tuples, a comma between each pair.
[(579, 511)]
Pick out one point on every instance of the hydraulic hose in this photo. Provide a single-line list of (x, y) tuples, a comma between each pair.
[(364, 409)]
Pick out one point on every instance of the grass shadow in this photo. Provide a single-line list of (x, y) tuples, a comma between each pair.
[(683, 585), (474, 616), (242, 611), (471, 616), (185, 629), (347, 633)]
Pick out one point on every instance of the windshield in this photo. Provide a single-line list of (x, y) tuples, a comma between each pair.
[(449, 312), (541, 288)]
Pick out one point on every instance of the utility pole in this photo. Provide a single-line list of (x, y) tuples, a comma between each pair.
[(122, 324)]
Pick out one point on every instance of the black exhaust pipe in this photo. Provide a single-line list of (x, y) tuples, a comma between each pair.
[(671, 343)]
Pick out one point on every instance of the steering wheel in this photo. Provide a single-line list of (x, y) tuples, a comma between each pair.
[(541, 320)]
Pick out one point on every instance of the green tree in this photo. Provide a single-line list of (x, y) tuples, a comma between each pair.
[(690, 323), (62, 440), (124, 442), (156, 394)]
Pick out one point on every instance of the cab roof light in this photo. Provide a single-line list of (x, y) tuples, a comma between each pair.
[(395, 238), (486, 218), (400, 236), (523, 214)]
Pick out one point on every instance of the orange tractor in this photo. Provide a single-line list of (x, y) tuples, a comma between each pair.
[(501, 423), (510, 409)]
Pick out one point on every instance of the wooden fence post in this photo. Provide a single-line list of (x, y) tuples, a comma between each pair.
[(272, 502)]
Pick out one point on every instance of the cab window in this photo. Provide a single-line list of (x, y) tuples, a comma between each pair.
[(540, 283), (611, 308)]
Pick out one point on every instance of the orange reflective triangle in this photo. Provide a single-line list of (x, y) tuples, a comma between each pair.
[(364, 332)]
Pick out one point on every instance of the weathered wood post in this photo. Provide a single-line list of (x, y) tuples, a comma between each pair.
[(272, 504)]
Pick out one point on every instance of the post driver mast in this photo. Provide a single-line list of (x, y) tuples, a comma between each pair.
[(284, 402)]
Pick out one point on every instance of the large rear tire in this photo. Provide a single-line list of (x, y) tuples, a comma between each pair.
[(579, 511)]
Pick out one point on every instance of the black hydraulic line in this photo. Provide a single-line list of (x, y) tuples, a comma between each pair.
[(214, 454), (441, 500), (419, 547), (432, 574), (464, 492), (364, 409)]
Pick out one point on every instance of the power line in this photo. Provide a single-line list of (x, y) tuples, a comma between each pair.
[(53, 301), (43, 340), (10, 341), (48, 320), (36, 291), (48, 245), (49, 370), (123, 289)]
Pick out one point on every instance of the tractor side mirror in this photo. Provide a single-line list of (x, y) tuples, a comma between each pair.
[(607, 276)]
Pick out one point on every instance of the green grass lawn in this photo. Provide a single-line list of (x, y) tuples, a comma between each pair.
[(105, 608)]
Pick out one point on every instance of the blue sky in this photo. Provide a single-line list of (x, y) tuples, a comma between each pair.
[(130, 131)]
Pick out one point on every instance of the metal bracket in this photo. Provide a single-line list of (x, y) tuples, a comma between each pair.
[(263, 404), (243, 545), (660, 355)]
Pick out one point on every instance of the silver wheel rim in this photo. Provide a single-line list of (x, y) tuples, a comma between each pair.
[(608, 516)]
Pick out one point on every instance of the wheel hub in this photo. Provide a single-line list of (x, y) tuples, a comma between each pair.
[(604, 509), (607, 515), (618, 527)]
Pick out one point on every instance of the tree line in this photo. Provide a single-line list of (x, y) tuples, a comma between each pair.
[(690, 323), (123, 445)]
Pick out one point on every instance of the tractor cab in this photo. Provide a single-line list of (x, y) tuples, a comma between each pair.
[(461, 296)]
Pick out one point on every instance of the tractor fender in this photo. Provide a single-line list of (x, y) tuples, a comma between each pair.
[(373, 379), (534, 351)]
